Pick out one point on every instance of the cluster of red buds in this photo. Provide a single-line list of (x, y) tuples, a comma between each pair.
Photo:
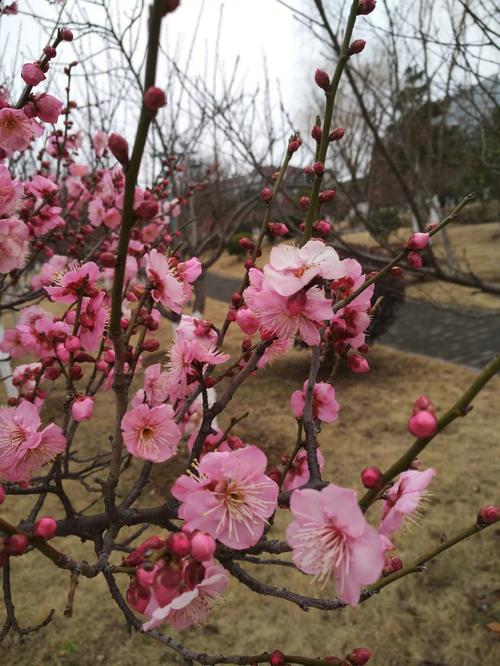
[(167, 566), (414, 245)]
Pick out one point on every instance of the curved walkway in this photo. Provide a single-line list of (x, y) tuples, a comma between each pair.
[(439, 332)]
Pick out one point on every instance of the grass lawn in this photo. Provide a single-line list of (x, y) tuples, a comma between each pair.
[(437, 618)]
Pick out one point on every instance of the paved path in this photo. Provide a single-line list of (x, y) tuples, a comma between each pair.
[(467, 339)]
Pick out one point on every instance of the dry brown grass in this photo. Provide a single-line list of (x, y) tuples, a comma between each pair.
[(439, 617), (476, 246)]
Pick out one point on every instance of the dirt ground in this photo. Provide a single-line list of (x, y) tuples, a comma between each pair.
[(475, 246), (437, 618)]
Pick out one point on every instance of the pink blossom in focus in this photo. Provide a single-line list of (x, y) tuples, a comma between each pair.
[(151, 433), (325, 407), (404, 499), (291, 268), (77, 281), (23, 449), (330, 538), (230, 499), (300, 314), (17, 130)]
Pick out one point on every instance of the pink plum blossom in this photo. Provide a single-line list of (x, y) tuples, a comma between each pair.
[(48, 108), (325, 407), (23, 447), (192, 606), (330, 538), (298, 474), (151, 433), (404, 498), (276, 349), (182, 355), (14, 244), (166, 287), (77, 281), (100, 142), (32, 74), (290, 268), (45, 276), (10, 191), (16, 130), (231, 497), (285, 316), (155, 385)]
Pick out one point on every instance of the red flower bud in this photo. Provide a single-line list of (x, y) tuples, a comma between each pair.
[(327, 195), (417, 241), (277, 228), (107, 259), (266, 194), (359, 656), (151, 345), (178, 544), (17, 544), (293, 146), (396, 271), (118, 146), (45, 528), (49, 52), (487, 515), (277, 658), (356, 47), (422, 424), (202, 546), (357, 363), (322, 79), (319, 168), (304, 202), (414, 260), (371, 477), (147, 209), (316, 133), (2, 495), (336, 134), (366, 7), (66, 35), (75, 372), (171, 5), (154, 98)]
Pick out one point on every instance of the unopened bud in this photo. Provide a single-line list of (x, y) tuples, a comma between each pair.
[(356, 47), (322, 79)]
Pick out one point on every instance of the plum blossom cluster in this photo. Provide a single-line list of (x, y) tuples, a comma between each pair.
[(98, 266), (176, 579)]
